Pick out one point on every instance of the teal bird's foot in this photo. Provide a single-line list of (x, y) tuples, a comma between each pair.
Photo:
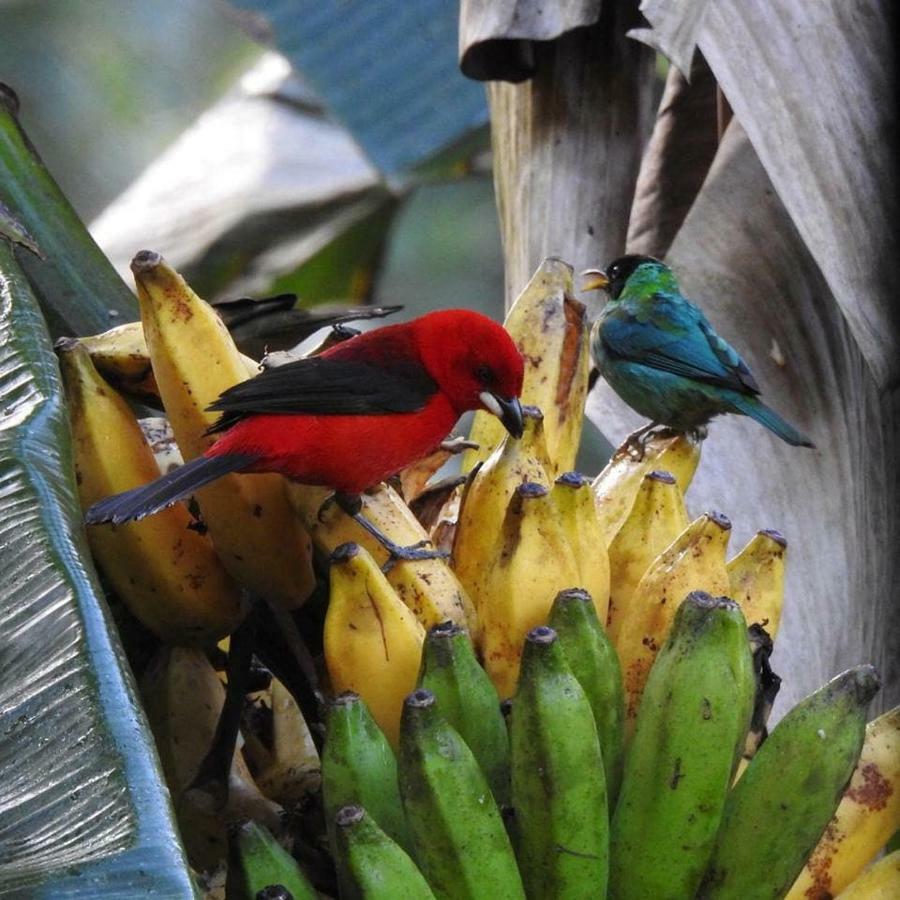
[(635, 442)]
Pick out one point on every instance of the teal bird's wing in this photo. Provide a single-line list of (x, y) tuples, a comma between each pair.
[(668, 333)]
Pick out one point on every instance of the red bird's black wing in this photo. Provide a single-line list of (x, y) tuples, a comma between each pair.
[(328, 386)]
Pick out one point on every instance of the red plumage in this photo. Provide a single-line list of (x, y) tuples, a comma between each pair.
[(353, 416)]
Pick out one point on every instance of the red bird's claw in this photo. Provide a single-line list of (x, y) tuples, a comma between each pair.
[(414, 552)]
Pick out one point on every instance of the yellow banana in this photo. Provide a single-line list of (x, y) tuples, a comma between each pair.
[(428, 586), (166, 573), (194, 359), (657, 517), (695, 561), (757, 580), (122, 358), (618, 484), (373, 643), (487, 495), (865, 819), (182, 697), (514, 593), (549, 328), (574, 501), (881, 882)]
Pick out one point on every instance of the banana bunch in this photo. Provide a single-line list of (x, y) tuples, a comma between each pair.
[(570, 706), (471, 808)]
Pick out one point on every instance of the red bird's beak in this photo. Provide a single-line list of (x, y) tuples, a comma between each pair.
[(509, 412)]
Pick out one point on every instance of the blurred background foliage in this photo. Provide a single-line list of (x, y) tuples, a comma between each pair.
[(106, 86)]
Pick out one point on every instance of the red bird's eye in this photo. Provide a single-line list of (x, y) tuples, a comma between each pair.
[(486, 375)]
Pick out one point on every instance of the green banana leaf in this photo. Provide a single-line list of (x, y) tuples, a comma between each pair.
[(84, 810), (78, 289)]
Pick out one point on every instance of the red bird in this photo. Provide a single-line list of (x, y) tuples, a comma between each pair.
[(352, 416)]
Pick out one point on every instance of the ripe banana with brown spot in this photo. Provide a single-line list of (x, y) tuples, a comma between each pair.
[(617, 486), (694, 562), (534, 561), (757, 579), (574, 500), (549, 327), (428, 586), (122, 358), (373, 643), (167, 574), (867, 816), (194, 360), (656, 519)]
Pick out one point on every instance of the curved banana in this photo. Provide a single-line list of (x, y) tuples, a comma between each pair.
[(370, 865), (558, 784), (867, 816), (796, 779), (428, 586), (257, 860), (574, 500), (593, 661), (373, 643), (122, 358), (695, 561), (476, 541), (167, 574), (358, 766), (468, 701), (194, 359), (618, 484), (549, 328), (514, 593), (656, 519), (757, 579), (460, 843), (690, 732)]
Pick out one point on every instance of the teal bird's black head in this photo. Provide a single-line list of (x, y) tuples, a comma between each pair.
[(620, 270), (617, 273)]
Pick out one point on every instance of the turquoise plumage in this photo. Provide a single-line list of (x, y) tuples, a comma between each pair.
[(660, 354)]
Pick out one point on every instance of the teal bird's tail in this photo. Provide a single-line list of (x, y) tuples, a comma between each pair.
[(756, 409)]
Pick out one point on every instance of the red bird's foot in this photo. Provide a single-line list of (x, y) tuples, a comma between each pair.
[(420, 550)]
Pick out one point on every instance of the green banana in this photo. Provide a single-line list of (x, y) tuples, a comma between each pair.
[(370, 865), (468, 701), (256, 862), (358, 767), (689, 735), (776, 813), (595, 663), (558, 786), (460, 843)]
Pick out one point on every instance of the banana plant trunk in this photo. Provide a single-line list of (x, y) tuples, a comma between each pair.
[(586, 168)]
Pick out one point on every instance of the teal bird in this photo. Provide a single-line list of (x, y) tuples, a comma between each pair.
[(662, 357)]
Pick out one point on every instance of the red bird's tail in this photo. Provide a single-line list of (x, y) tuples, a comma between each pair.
[(165, 490)]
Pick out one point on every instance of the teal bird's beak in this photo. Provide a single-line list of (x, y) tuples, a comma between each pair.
[(594, 280), (509, 412)]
